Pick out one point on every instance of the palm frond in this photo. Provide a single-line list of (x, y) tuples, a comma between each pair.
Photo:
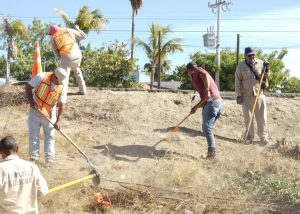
[(136, 5), (172, 46), (151, 47), (12, 30), (145, 46), (19, 30), (88, 21), (65, 17)]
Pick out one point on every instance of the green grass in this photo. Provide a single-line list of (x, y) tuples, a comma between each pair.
[(276, 188)]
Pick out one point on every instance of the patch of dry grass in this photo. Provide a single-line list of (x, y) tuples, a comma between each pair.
[(148, 171)]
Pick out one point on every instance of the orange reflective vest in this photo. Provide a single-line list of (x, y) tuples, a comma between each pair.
[(63, 40), (45, 97)]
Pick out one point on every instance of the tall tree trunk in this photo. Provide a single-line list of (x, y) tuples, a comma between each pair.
[(159, 60), (7, 70), (132, 39), (153, 68), (9, 50)]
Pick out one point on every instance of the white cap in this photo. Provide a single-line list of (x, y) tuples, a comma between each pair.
[(61, 75)]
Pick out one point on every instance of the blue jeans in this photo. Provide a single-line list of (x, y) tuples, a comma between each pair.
[(211, 112)]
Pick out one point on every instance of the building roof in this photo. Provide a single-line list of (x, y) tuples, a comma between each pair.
[(167, 85)]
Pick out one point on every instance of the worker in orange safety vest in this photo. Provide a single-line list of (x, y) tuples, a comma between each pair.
[(45, 92), (65, 45)]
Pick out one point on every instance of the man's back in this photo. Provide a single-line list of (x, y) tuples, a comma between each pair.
[(20, 182)]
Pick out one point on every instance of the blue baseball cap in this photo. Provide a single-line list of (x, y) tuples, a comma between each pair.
[(249, 51)]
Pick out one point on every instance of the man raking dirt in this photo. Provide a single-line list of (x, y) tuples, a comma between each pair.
[(205, 85)]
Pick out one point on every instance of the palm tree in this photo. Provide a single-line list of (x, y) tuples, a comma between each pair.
[(136, 5), (86, 20), (165, 66), (11, 30), (152, 47)]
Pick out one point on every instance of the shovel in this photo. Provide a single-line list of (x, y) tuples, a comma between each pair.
[(176, 129)]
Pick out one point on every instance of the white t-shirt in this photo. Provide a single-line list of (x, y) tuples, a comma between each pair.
[(36, 81), (20, 182)]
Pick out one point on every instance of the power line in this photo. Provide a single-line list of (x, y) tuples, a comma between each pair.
[(260, 47), (203, 31), (169, 19)]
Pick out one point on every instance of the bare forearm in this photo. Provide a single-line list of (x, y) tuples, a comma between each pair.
[(29, 94), (206, 81), (61, 107)]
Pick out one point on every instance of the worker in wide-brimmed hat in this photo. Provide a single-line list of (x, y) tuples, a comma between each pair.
[(45, 92), (65, 45), (20, 180)]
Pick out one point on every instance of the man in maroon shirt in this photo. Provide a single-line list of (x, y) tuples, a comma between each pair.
[(211, 102)]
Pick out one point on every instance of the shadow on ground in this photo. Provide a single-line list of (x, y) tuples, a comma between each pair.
[(128, 152), (195, 133)]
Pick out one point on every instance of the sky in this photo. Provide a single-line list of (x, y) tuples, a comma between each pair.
[(268, 25)]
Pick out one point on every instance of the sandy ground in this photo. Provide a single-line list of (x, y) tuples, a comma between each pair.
[(127, 136)]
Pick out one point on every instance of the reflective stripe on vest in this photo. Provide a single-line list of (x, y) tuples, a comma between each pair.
[(45, 97), (63, 40)]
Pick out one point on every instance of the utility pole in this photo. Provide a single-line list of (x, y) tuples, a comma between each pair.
[(132, 40), (159, 60), (237, 49), (224, 5)]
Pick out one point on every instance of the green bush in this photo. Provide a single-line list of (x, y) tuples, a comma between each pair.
[(278, 188)]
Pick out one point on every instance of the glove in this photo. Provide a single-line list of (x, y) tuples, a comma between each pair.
[(239, 100), (193, 98), (266, 65), (76, 27)]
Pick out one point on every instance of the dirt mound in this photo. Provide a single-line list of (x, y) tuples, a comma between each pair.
[(145, 168), (12, 96)]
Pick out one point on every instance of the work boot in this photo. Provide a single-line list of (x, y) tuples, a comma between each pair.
[(81, 93), (249, 142), (264, 141), (49, 163), (211, 155)]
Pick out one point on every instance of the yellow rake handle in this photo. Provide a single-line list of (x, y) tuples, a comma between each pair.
[(198, 106), (182, 122), (71, 183), (254, 105)]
